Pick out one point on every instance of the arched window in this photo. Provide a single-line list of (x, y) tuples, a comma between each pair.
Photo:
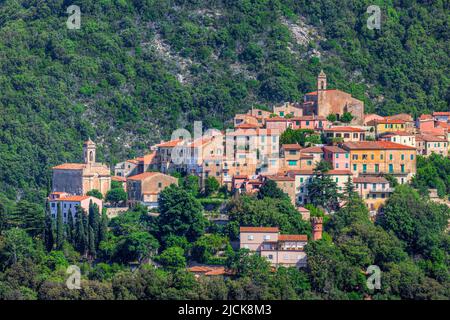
[(322, 85), (91, 156)]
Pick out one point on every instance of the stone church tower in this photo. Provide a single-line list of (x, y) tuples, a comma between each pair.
[(89, 151), (322, 81)]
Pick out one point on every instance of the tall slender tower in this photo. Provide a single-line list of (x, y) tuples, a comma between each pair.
[(321, 81), (89, 151), (317, 225)]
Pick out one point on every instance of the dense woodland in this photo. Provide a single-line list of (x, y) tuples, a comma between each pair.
[(138, 69), (137, 256)]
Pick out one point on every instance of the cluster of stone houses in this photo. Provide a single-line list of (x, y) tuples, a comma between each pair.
[(243, 158)]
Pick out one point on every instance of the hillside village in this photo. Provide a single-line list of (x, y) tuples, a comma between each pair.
[(342, 143)]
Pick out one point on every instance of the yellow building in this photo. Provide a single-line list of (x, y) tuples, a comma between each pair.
[(388, 125), (379, 157), (374, 190)]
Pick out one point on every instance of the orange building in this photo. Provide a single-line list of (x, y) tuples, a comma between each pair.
[(376, 157)]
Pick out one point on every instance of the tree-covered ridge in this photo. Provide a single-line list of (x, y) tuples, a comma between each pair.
[(138, 69)]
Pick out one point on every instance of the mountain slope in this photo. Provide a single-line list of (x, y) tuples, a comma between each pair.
[(138, 69)]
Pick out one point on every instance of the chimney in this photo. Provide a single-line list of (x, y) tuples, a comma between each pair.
[(317, 225)]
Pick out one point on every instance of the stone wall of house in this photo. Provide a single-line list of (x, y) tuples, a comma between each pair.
[(70, 181)]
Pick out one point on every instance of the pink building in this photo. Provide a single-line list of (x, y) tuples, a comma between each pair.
[(279, 249), (309, 122), (425, 122), (278, 123), (338, 157)]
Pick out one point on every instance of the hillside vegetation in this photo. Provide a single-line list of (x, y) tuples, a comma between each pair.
[(138, 69)]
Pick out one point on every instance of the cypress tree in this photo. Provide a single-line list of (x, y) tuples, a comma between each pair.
[(59, 228), (49, 232), (94, 222), (92, 239), (103, 227), (70, 230), (80, 236)]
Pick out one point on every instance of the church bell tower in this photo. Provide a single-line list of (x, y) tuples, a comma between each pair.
[(322, 81), (89, 151)]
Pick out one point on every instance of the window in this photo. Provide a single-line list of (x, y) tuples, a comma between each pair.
[(281, 113), (355, 157), (402, 168), (364, 157), (53, 204), (377, 168), (391, 168), (292, 152), (337, 155), (307, 123), (412, 157), (292, 162), (309, 162), (337, 165), (159, 184), (364, 167), (250, 237), (391, 156), (346, 156), (355, 167), (270, 256), (403, 157), (374, 186), (266, 237)]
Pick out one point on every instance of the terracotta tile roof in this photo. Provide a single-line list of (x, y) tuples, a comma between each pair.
[(431, 138), (276, 119), (442, 124), (426, 117), (401, 116), (292, 237), (281, 178), (441, 113), (306, 156), (301, 172), (302, 209), (169, 144), (259, 229), (254, 132), (314, 149), (334, 149), (118, 178), (375, 145), (388, 121), (369, 179), (147, 158), (246, 126), (70, 166), (339, 172), (73, 198), (292, 146), (143, 176), (344, 129)]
